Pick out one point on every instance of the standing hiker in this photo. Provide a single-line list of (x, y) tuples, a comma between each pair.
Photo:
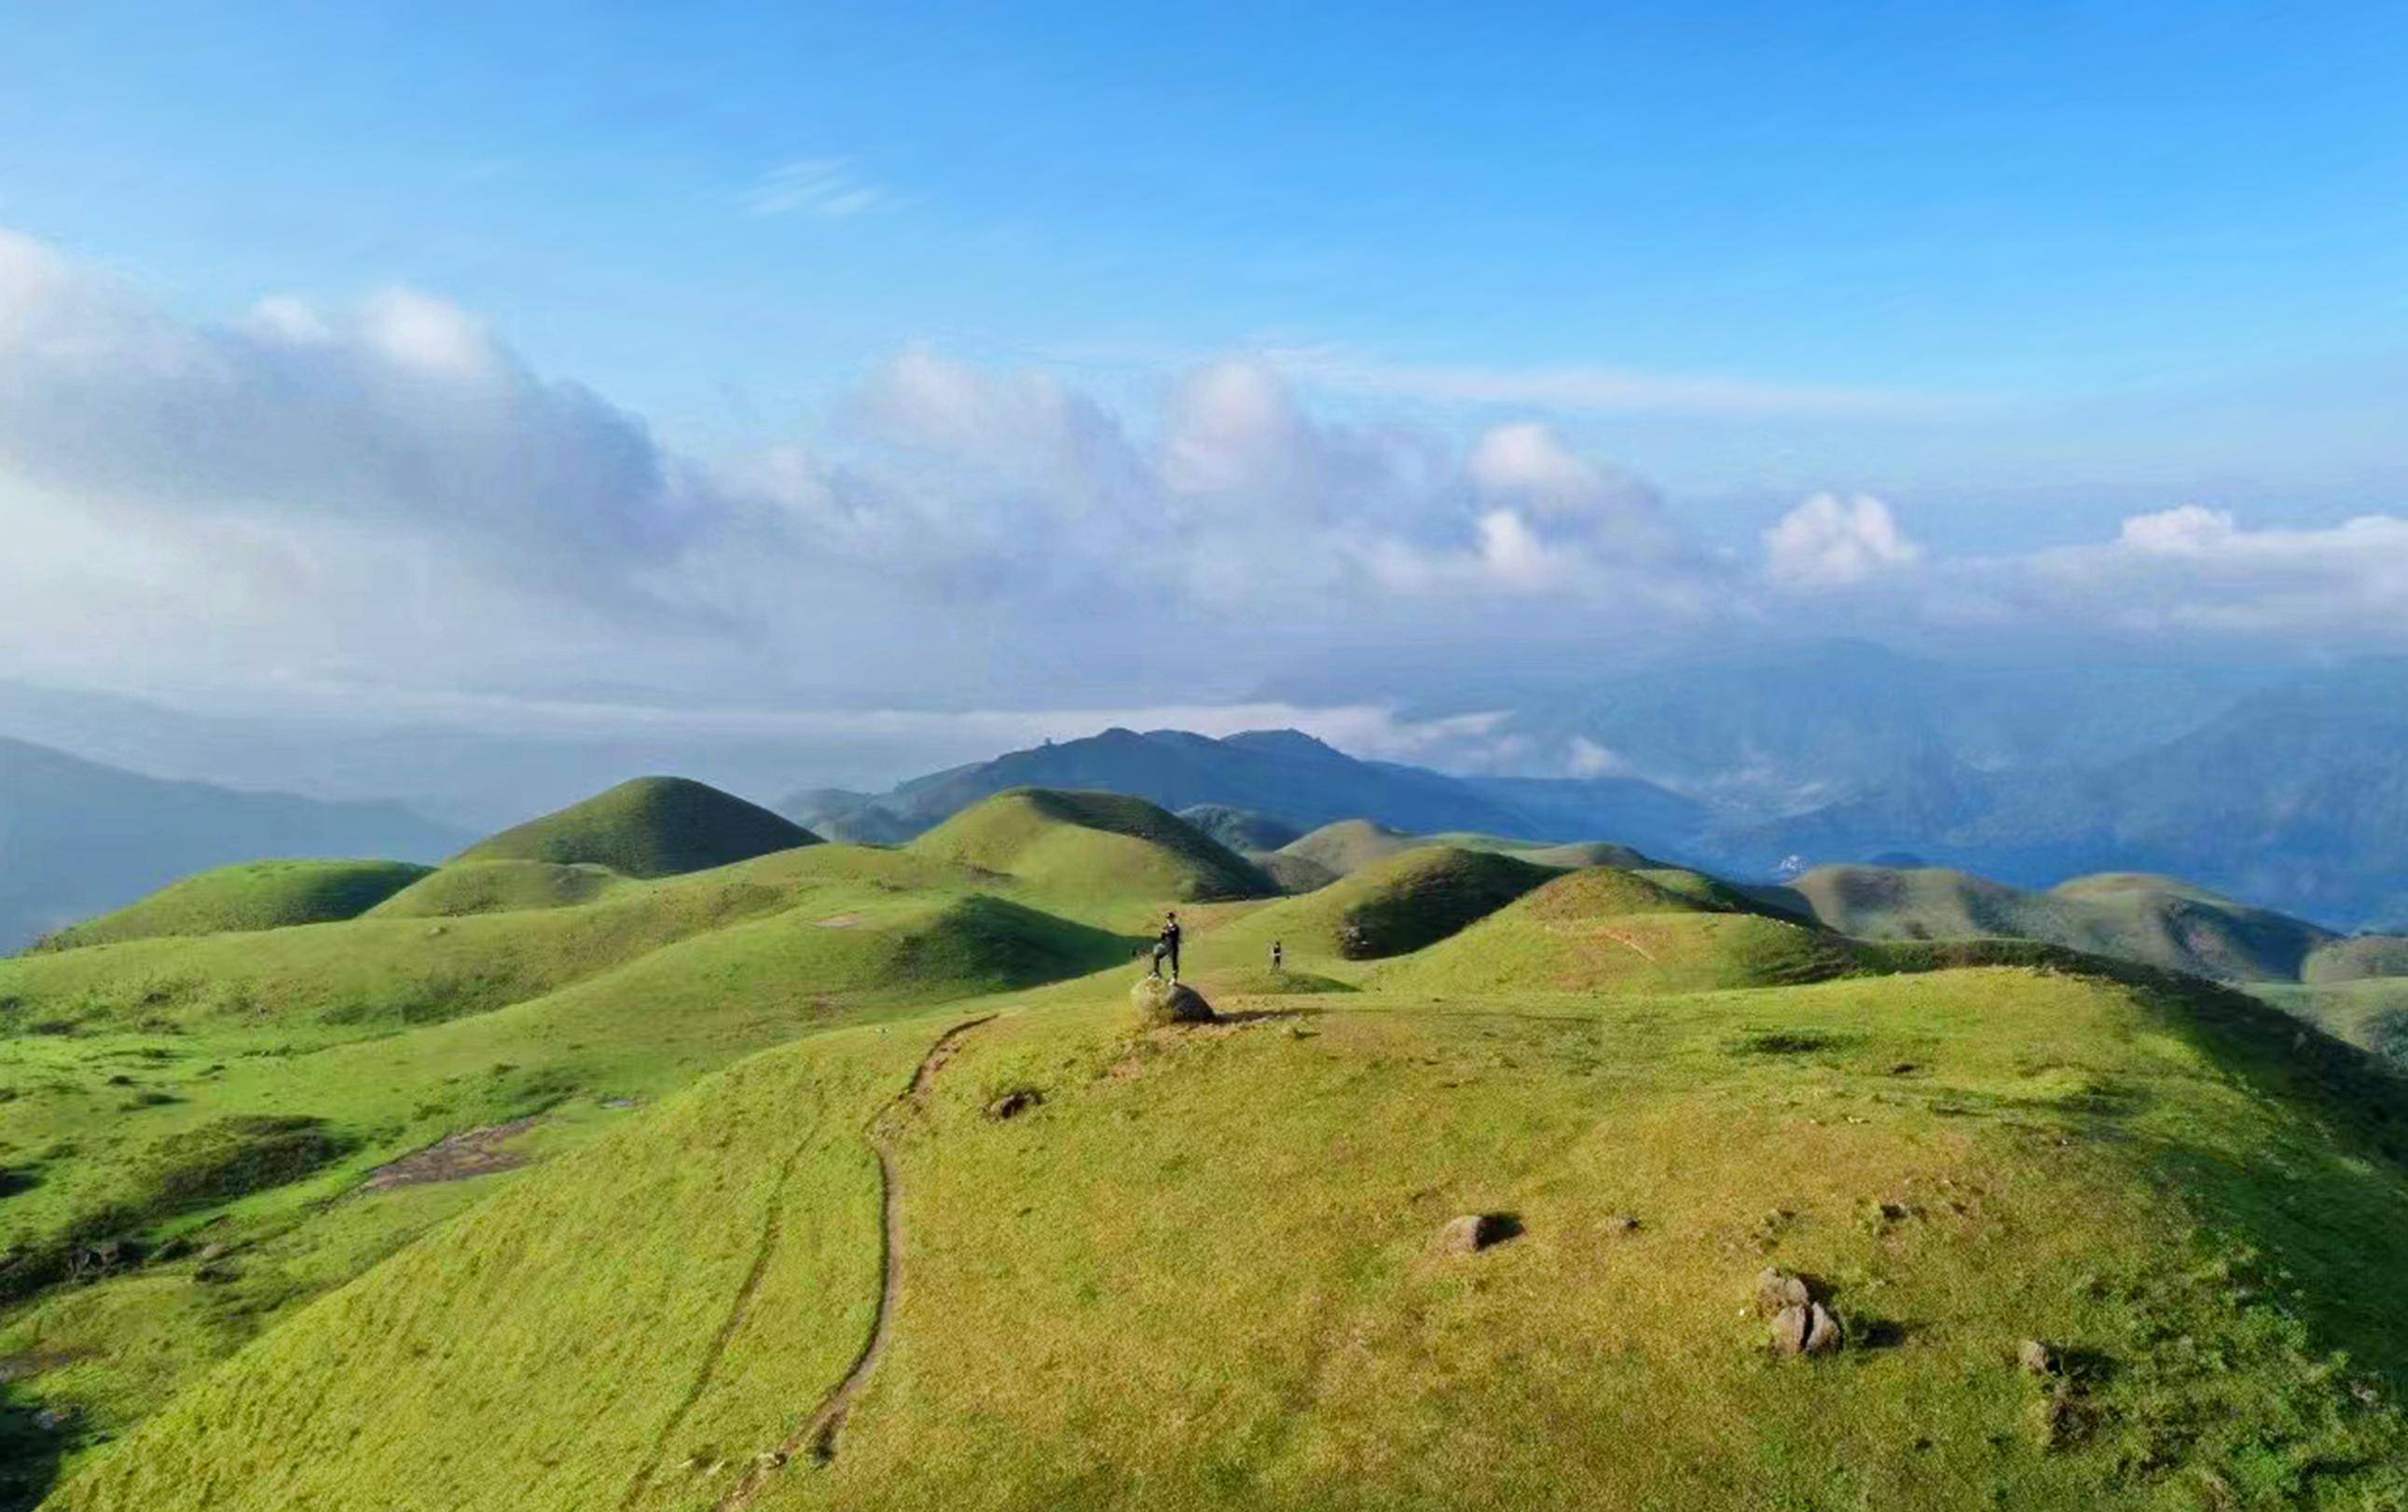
[(1277, 960), (1168, 943)]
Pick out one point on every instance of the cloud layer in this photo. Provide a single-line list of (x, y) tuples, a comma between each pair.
[(386, 495)]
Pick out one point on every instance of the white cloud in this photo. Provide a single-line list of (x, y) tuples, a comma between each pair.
[(405, 415), (1587, 757), (1831, 542), (828, 188), (2194, 568), (387, 495)]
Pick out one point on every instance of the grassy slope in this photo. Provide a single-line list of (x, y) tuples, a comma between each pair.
[(862, 934), (1389, 907), (2371, 1013), (1099, 1311), (1606, 929), (254, 895), (1199, 1272), (1351, 845), (2363, 958), (1091, 849), (664, 1294), (2134, 917), (654, 826), (373, 974), (487, 887)]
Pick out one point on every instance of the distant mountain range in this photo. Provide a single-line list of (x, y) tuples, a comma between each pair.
[(2292, 794), (2295, 796), (2283, 789), (1278, 774), (78, 838)]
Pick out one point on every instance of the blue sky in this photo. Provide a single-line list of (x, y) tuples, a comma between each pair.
[(1926, 320), (1993, 203)]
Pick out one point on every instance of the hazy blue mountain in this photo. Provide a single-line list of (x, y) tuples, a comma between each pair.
[(2295, 796), (78, 838), (1778, 730), (1277, 774)]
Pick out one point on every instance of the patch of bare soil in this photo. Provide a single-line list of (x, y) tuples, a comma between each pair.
[(837, 922), (472, 1153)]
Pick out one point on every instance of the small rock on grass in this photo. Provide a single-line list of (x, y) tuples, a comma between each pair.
[(1476, 1230), (2036, 1358), (1013, 1104), (1808, 1329), (1777, 1291), (1621, 1223), (1159, 1002)]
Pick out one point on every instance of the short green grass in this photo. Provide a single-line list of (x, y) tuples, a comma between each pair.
[(1201, 1271), (654, 826), (254, 895), (1389, 907), (1198, 1267), (859, 935), (485, 887), (1606, 929), (1092, 849)]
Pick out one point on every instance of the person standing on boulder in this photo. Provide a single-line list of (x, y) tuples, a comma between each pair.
[(1171, 941)]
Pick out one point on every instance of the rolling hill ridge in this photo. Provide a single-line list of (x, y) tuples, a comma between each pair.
[(843, 1176)]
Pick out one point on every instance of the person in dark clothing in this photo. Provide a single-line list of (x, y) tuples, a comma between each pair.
[(1169, 943), (1279, 960)]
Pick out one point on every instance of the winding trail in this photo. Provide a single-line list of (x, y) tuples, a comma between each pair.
[(819, 1431)]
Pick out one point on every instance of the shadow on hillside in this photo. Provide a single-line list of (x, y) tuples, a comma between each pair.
[(30, 1451), (2330, 1205)]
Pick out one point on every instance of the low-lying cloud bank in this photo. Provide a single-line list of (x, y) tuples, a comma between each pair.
[(388, 497)]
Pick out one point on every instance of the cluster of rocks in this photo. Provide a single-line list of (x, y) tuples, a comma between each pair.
[(1801, 1324)]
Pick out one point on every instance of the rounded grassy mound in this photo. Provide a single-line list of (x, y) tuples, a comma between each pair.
[(1097, 847), (654, 826), (1349, 844), (1607, 929), (1295, 874), (1262, 981), (254, 895), (1390, 907), (2130, 916), (492, 887), (2361, 958), (1587, 853)]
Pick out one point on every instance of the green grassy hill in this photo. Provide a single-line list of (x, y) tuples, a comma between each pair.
[(1389, 907), (2150, 920), (2196, 1217), (654, 826), (254, 895), (844, 1178), (1607, 929), (487, 887), (2357, 959), (1351, 845), (1092, 847), (1242, 830)]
